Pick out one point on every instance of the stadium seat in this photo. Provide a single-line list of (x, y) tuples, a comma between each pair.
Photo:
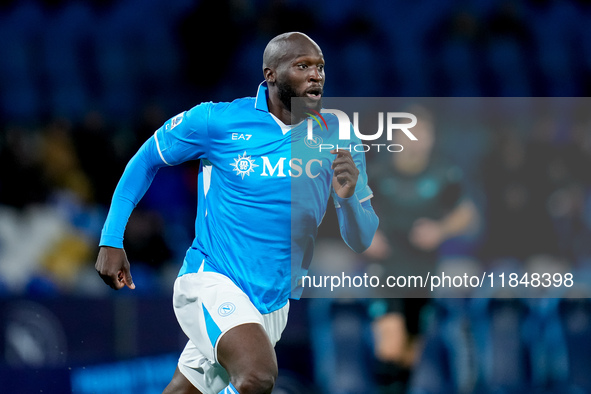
[(447, 363), (503, 345), (568, 329)]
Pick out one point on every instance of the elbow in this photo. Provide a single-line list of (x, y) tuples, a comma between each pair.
[(365, 237), (362, 247), (368, 239)]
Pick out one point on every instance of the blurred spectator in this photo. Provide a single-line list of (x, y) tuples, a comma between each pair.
[(71, 190), (40, 243), (421, 203), (61, 164)]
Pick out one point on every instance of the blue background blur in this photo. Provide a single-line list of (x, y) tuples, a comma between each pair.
[(84, 83)]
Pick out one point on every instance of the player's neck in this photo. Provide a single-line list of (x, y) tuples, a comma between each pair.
[(277, 108)]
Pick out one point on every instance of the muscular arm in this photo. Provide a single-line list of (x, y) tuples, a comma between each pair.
[(112, 264)]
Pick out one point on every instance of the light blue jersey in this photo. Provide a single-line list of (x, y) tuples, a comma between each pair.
[(263, 191)]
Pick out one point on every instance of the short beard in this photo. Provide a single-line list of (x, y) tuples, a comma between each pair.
[(298, 113), (286, 92)]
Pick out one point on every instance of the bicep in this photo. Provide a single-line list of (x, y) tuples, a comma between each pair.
[(185, 136)]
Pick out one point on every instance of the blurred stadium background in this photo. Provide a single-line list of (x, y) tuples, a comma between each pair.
[(84, 83)]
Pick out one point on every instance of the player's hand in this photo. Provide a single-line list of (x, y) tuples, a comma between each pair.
[(426, 234), (113, 267), (345, 174)]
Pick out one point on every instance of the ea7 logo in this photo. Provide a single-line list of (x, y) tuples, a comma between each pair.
[(236, 136)]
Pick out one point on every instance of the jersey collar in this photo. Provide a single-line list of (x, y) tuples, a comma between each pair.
[(260, 102)]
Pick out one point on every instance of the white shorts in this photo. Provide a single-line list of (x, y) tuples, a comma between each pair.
[(207, 305)]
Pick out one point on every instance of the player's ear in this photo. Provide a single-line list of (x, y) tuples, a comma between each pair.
[(269, 75)]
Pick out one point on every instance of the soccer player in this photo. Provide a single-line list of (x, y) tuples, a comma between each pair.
[(256, 218)]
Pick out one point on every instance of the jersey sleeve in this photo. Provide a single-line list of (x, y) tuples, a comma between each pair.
[(182, 138), (362, 190), (358, 221), (185, 136), (136, 179)]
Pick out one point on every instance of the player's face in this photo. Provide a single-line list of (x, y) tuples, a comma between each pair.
[(423, 146), (302, 75)]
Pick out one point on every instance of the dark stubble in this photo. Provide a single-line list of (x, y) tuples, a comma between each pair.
[(298, 112)]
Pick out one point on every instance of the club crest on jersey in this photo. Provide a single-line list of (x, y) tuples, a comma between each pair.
[(313, 142), (243, 165), (226, 309)]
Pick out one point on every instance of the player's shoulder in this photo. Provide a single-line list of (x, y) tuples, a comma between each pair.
[(210, 111), (222, 107)]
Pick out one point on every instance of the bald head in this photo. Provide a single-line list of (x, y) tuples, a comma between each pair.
[(293, 66), (281, 47)]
